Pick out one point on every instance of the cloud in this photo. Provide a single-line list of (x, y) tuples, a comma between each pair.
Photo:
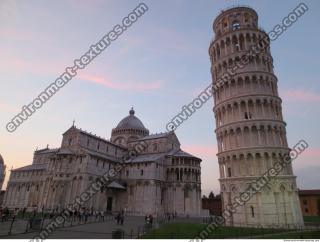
[(307, 158), (5, 107), (308, 177), (133, 86), (312, 152), (131, 43), (300, 95), (202, 151), (12, 34), (15, 62)]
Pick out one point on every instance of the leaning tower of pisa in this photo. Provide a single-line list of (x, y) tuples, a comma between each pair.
[(250, 130)]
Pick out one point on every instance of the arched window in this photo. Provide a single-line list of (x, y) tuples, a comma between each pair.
[(162, 195), (177, 175), (252, 211), (229, 171)]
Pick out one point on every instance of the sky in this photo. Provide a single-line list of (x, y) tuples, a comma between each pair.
[(158, 65)]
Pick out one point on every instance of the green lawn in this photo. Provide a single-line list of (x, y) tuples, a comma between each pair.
[(191, 230), (296, 235), (311, 219)]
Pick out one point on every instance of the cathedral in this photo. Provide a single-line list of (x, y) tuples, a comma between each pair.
[(160, 179)]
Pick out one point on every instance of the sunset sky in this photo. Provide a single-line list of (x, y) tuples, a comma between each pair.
[(158, 65)]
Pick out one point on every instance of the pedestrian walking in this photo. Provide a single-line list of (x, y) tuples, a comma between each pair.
[(151, 219), (102, 215), (118, 217), (122, 217), (24, 212), (86, 215)]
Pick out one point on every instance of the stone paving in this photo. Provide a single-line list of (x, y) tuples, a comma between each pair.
[(19, 226), (133, 227), (95, 230)]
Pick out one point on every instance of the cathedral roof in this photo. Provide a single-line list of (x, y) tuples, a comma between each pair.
[(47, 150), (99, 154), (65, 151), (155, 136), (181, 153), (169, 135), (32, 167), (146, 158), (130, 122), (157, 156), (1, 160), (93, 136)]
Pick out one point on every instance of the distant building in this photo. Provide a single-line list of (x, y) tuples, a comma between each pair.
[(310, 202), (162, 178), (213, 204)]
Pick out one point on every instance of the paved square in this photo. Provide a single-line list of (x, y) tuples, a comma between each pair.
[(101, 230)]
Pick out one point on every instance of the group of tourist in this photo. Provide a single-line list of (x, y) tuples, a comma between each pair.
[(81, 215), (170, 216), (84, 214), (4, 214)]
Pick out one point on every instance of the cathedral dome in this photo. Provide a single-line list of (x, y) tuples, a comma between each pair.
[(130, 122), (128, 129)]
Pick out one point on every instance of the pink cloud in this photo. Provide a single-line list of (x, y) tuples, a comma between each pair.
[(312, 152), (107, 82), (202, 151), (131, 43), (6, 107), (308, 158), (22, 63), (13, 34), (301, 95)]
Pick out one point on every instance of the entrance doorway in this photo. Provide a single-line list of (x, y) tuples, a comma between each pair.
[(109, 204)]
